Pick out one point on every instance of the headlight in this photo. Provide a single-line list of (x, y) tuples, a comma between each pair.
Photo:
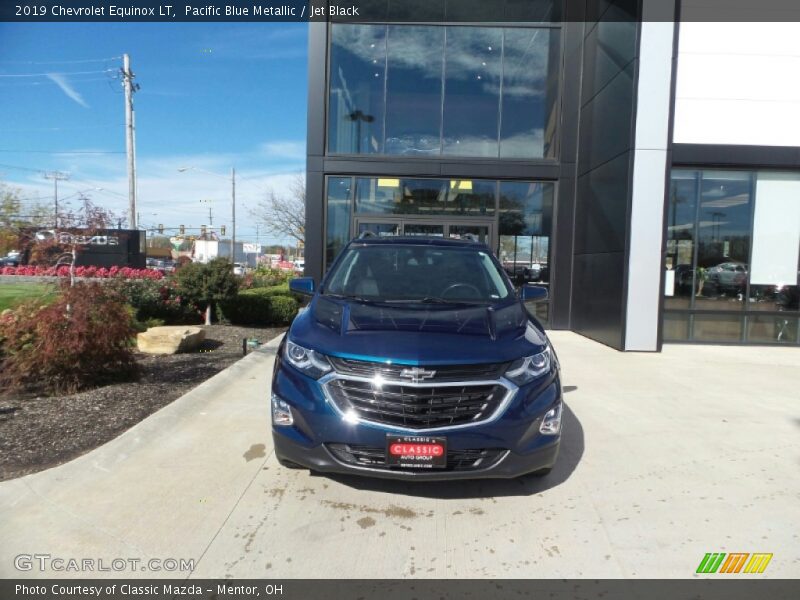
[(525, 370), (308, 361)]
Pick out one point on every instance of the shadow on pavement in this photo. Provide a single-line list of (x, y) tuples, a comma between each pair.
[(570, 454)]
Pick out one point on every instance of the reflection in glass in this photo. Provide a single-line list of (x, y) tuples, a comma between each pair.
[(379, 229), (414, 90), (526, 213), (723, 239), (459, 232), (356, 97), (772, 329), (338, 217), (717, 328), (473, 69), (424, 229), (679, 286), (390, 195), (528, 110)]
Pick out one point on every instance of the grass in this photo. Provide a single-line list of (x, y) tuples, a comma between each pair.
[(12, 294)]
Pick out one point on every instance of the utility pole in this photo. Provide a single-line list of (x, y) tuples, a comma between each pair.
[(130, 143), (233, 214), (56, 176), (210, 215)]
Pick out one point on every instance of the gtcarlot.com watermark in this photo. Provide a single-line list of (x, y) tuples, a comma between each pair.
[(48, 562)]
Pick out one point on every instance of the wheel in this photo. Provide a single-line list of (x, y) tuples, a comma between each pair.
[(287, 463), (542, 472)]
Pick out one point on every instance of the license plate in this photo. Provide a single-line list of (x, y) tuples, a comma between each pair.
[(416, 452)]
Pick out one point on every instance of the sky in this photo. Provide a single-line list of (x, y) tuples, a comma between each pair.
[(213, 96)]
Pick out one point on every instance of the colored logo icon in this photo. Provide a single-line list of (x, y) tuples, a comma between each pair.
[(735, 562)]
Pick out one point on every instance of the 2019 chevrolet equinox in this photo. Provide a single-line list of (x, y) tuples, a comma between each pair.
[(416, 359)]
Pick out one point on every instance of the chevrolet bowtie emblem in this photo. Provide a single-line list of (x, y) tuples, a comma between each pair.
[(416, 374)]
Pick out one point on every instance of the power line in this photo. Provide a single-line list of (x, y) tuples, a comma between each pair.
[(63, 151), (60, 62), (65, 73)]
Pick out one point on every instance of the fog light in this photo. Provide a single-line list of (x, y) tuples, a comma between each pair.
[(281, 412), (551, 423)]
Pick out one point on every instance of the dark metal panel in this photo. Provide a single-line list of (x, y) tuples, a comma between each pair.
[(317, 88), (597, 300), (490, 169), (561, 255), (714, 155), (315, 224)]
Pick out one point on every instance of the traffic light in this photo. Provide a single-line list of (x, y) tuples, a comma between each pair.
[(161, 228), (222, 230), (182, 229)]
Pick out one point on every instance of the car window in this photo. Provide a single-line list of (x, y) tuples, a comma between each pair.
[(411, 273)]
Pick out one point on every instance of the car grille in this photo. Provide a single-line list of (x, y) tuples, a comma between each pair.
[(375, 458), (362, 368), (417, 407)]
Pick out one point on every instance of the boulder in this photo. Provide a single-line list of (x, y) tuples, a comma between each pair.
[(170, 339)]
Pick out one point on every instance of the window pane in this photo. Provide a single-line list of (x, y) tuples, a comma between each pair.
[(472, 90), (356, 100), (338, 217), (526, 213), (679, 285), (767, 329), (717, 328), (529, 92), (723, 239), (776, 243), (388, 195), (676, 327), (470, 197), (414, 90)]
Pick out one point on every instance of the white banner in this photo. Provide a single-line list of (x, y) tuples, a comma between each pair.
[(776, 230), (251, 248)]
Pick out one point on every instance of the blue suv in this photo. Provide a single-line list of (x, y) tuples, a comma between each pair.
[(416, 359)]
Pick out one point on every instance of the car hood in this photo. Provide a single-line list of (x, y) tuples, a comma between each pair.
[(418, 335)]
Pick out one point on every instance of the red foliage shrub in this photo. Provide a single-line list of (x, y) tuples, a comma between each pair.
[(88, 272), (82, 339)]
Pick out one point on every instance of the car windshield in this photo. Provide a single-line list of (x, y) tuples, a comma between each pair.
[(416, 273)]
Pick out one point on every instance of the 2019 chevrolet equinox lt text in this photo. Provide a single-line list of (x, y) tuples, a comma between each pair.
[(416, 359)]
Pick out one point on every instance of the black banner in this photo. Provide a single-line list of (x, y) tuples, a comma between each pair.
[(453, 11), (733, 588)]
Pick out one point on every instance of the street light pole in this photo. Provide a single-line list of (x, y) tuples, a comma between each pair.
[(233, 215)]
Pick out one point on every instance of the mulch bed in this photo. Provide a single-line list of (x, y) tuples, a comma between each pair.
[(41, 432)]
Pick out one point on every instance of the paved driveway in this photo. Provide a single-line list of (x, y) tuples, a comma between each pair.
[(665, 457)]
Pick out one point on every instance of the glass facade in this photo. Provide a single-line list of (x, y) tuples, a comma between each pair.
[(732, 257), (433, 90), (513, 217)]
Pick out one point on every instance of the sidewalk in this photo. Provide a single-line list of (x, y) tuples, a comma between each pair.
[(665, 457)]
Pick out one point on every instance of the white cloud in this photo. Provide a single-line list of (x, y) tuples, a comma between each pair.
[(285, 149), (61, 81), (172, 198)]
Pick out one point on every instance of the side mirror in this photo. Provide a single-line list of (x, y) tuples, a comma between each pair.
[(302, 285), (533, 293)]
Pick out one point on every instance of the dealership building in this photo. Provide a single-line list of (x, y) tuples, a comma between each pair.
[(642, 164)]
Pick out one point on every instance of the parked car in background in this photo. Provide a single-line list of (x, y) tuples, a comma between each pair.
[(239, 269), (12, 259), (299, 266), (416, 359), (726, 277)]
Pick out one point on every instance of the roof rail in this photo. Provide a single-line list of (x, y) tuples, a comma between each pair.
[(367, 234)]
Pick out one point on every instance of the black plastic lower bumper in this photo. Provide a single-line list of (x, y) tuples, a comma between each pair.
[(320, 459)]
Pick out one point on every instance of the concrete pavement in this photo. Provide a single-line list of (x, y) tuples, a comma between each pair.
[(665, 457)]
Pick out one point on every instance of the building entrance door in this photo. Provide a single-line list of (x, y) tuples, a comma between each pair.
[(482, 229)]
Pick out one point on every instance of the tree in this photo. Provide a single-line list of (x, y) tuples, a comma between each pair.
[(14, 217), (207, 285), (284, 215)]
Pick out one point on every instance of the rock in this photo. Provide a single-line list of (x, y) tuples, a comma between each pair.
[(170, 339)]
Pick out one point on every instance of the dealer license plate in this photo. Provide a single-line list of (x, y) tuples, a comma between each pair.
[(416, 452)]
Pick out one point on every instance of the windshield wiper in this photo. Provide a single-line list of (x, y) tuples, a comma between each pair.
[(352, 297), (433, 300)]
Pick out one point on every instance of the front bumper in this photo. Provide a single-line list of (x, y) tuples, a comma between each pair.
[(319, 430), (320, 458)]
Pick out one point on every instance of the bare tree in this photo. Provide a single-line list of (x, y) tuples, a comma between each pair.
[(284, 214)]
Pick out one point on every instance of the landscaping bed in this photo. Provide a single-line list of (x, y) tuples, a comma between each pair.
[(41, 432)]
